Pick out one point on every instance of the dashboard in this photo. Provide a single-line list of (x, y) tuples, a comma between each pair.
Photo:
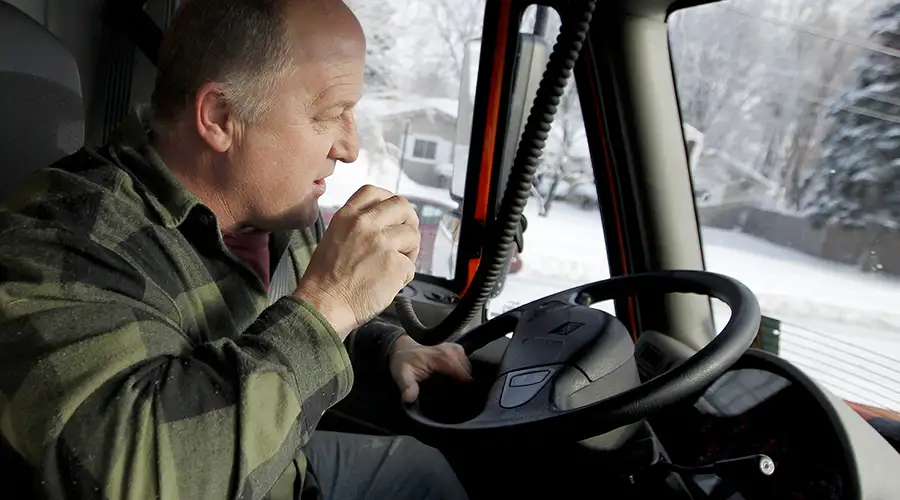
[(751, 411)]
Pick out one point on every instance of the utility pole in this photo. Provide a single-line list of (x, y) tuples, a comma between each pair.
[(402, 156)]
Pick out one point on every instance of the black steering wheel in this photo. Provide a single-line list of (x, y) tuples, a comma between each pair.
[(569, 370)]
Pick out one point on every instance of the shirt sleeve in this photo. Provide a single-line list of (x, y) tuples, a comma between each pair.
[(102, 394), (369, 346)]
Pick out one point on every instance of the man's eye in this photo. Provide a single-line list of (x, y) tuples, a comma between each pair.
[(335, 114)]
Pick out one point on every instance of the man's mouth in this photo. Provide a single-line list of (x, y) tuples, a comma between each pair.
[(319, 187)]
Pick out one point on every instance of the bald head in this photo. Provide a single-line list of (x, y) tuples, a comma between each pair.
[(322, 29), (248, 47)]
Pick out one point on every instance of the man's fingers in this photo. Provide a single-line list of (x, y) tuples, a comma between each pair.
[(405, 239), (366, 197), (394, 211), (454, 362), (409, 386), (406, 265)]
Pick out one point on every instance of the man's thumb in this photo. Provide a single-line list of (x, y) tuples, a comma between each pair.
[(410, 391)]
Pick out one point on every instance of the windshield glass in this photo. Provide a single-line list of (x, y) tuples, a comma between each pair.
[(420, 53), (791, 112), (407, 116)]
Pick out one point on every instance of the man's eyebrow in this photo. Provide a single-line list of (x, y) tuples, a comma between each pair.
[(321, 100), (343, 103)]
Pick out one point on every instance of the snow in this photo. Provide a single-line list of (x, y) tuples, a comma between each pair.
[(389, 103), (790, 282), (562, 250), (841, 326)]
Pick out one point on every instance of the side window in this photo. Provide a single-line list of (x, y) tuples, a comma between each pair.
[(407, 116), (793, 109), (564, 244), (425, 149)]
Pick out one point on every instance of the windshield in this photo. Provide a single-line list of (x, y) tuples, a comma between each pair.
[(408, 114), (795, 109), (422, 60), (791, 119)]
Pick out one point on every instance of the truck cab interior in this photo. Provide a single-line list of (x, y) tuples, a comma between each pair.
[(625, 381)]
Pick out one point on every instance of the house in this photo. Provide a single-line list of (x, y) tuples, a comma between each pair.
[(418, 131), (722, 179)]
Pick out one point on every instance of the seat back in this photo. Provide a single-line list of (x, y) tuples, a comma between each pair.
[(41, 109)]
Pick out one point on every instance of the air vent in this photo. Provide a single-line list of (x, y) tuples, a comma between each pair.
[(442, 298)]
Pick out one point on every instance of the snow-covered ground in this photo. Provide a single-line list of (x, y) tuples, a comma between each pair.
[(839, 325), (563, 250)]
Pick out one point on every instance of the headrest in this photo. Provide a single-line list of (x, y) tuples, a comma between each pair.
[(41, 110)]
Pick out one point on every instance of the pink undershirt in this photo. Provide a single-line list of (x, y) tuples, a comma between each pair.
[(253, 247)]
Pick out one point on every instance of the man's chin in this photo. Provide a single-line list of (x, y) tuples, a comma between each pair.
[(300, 218)]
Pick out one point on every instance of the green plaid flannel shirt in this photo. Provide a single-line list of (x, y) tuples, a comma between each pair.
[(139, 357)]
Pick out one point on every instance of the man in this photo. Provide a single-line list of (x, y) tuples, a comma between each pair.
[(151, 345)]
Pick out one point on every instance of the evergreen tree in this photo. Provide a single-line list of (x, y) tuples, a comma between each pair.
[(377, 16), (858, 181)]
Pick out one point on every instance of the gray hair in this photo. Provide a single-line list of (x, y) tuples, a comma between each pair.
[(243, 45)]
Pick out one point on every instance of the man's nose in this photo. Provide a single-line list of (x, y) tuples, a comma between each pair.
[(346, 149)]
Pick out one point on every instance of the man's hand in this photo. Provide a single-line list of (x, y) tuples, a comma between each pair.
[(411, 363), (366, 257)]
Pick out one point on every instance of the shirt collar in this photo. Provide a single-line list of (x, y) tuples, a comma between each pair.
[(131, 145)]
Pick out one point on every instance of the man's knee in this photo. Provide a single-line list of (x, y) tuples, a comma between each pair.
[(429, 470)]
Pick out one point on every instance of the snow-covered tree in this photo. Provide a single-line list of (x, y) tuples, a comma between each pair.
[(379, 23), (564, 157), (756, 77), (437, 40), (804, 72), (715, 54), (859, 181)]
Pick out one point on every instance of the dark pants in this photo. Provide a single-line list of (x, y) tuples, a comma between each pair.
[(358, 467)]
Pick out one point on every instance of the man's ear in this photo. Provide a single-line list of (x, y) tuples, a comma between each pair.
[(214, 120)]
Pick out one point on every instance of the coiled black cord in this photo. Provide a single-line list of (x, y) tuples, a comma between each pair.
[(518, 188)]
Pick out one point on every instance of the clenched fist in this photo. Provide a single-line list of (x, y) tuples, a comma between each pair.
[(366, 257), (412, 363)]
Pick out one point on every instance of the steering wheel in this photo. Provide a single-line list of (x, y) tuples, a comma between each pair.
[(569, 370)]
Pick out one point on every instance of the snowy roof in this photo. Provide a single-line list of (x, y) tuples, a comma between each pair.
[(385, 104), (389, 104)]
